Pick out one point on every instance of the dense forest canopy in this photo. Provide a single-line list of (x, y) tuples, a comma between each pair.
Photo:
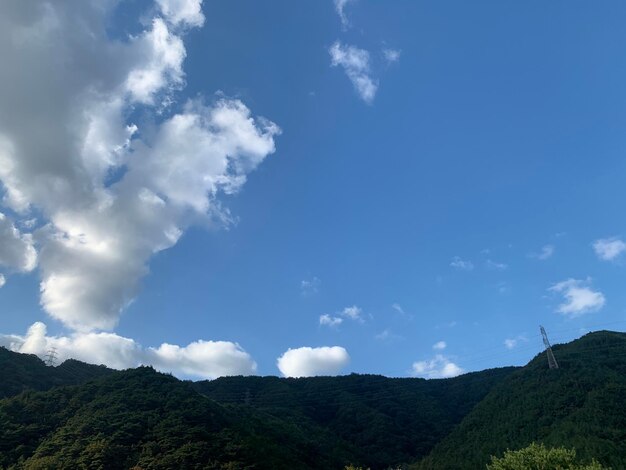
[(87, 416)]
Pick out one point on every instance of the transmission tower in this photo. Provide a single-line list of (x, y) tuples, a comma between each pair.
[(551, 359), (51, 356)]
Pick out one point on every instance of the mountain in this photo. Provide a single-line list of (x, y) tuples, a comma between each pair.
[(82, 416), (21, 372), (375, 421), (580, 405), (140, 418)]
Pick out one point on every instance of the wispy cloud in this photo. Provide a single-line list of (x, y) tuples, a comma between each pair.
[(356, 64), (387, 335), (340, 7), (609, 249), (461, 264), (3, 280), (496, 266), (546, 252), (579, 297), (398, 308), (439, 367), (328, 320), (392, 55), (440, 345), (511, 343), (310, 286)]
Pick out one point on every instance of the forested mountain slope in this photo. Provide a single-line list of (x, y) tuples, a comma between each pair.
[(20, 372), (143, 419), (582, 405), (380, 421), (140, 418)]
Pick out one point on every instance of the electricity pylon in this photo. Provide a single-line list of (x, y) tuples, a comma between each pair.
[(51, 356), (551, 359)]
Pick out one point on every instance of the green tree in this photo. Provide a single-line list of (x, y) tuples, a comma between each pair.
[(539, 457)]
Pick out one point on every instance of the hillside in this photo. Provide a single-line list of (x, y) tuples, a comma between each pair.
[(140, 418), (579, 405), (143, 418), (21, 372), (377, 421)]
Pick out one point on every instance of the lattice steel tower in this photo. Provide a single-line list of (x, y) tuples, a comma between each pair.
[(551, 359), (51, 357)]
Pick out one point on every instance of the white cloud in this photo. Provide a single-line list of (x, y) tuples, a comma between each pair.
[(608, 249), (439, 367), (546, 252), (398, 308), (182, 12), (353, 313), (511, 343), (579, 297), (340, 7), (310, 286), (461, 265), (330, 321), (201, 359), (68, 132), (495, 265), (3, 280), (440, 345), (387, 335), (356, 64), (392, 55), (17, 250), (308, 362)]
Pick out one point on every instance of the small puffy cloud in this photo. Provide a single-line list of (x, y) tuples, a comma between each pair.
[(3, 280), (440, 345), (439, 367), (356, 63), (461, 264), (608, 249), (353, 313), (494, 265), (392, 55), (310, 286), (201, 359), (579, 297), (510, 343), (331, 321), (546, 252), (340, 7), (17, 250), (308, 362)]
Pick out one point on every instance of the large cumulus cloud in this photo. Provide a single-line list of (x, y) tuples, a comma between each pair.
[(111, 190)]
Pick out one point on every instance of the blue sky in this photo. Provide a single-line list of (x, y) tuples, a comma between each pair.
[(471, 193)]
